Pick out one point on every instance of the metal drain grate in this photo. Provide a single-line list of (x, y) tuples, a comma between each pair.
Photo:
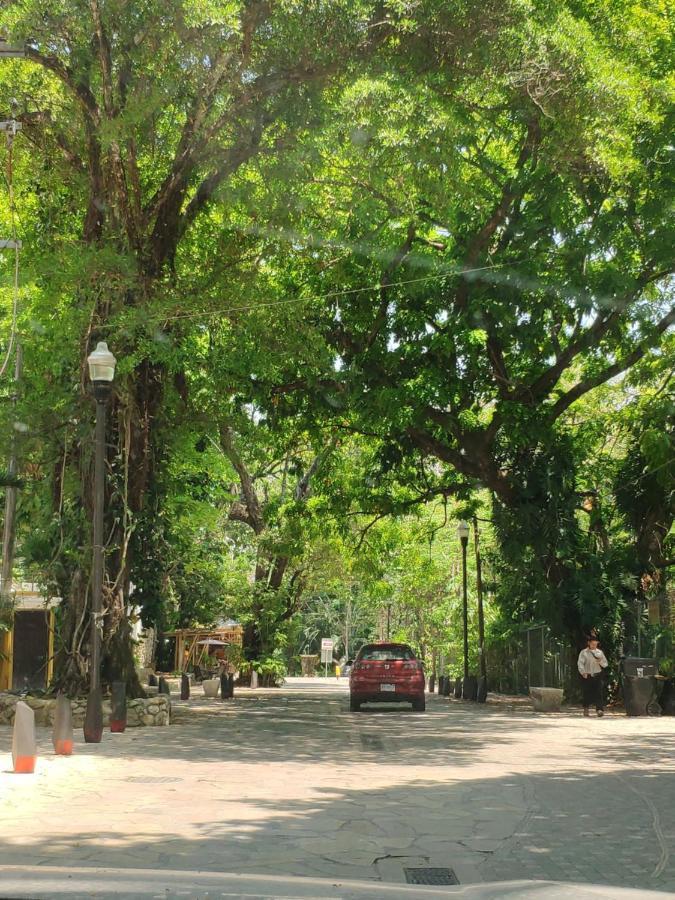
[(430, 876), (151, 779)]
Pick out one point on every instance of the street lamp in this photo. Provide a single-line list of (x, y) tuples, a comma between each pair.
[(463, 532), (101, 372)]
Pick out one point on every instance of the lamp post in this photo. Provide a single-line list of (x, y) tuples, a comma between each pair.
[(101, 372), (463, 535), (479, 593)]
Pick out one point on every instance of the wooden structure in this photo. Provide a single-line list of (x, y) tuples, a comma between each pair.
[(27, 649), (191, 649)]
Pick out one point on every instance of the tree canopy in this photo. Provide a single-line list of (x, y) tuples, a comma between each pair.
[(368, 267)]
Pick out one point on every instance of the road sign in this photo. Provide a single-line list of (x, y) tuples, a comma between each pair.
[(327, 645)]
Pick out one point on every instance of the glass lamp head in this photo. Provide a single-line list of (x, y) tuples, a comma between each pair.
[(463, 531), (101, 364)]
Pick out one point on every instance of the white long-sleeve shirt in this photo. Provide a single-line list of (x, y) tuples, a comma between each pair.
[(591, 664)]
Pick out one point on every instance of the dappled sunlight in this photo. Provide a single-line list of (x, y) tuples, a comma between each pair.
[(294, 783)]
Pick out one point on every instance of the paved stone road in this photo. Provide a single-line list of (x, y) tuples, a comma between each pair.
[(290, 781)]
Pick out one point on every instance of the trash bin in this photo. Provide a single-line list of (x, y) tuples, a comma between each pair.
[(667, 699), (639, 686)]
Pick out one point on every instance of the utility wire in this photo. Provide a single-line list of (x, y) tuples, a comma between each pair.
[(206, 314)]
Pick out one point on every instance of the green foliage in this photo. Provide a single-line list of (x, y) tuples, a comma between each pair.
[(358, 287)]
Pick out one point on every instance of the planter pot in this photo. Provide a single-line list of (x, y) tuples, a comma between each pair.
[(211, 687), (309, 663), (546, 699)]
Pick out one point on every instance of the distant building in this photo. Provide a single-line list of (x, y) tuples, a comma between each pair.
[(192, 645), (27, 649)]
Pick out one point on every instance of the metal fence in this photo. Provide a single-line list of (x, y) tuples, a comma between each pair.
[(532, 658)]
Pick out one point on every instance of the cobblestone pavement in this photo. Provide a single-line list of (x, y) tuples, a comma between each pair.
[(290, 781)]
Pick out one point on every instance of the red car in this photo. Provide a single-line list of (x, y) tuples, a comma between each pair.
[(386, 673)]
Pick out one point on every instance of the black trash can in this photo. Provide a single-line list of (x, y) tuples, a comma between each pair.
[(482, 689), (458, 689), (639, 686), (667, 698), (446, 686), (432, 684), (441, 684)]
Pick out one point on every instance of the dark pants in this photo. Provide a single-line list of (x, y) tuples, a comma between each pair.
[(592, 691)]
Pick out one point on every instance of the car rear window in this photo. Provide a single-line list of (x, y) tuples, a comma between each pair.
[(386, 654)]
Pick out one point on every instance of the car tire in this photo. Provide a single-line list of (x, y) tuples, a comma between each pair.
[(419, 705), (354, 705)]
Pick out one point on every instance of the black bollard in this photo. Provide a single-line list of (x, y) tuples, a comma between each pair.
[(118, 707), (224, 693), (230, 686), (93, 718), (184, 687), (164, 687), (62, 736), (152, 680), (470, 687)]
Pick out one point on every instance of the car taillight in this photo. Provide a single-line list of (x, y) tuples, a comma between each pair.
[(415, 666)]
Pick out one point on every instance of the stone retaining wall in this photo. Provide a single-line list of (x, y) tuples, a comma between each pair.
[(150, 711)]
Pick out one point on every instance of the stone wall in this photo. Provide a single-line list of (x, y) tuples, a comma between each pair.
[(152, 711)]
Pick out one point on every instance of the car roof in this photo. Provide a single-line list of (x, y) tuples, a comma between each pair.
[(386, 644)]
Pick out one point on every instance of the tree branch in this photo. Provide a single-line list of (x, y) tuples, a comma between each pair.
[(588, 384), (65, 74), (480, 241), (581, 341), (387, 275), (254, 515)]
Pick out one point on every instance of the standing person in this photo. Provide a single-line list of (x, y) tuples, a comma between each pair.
[(591, 663)]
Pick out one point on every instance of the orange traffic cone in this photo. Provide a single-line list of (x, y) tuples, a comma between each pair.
[(118, 704), (24, 748), (62, 737)]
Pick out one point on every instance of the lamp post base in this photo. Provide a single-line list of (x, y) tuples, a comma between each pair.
[(93, 720)]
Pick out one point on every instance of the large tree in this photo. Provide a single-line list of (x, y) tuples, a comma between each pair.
[(138, 120), (495, 245)]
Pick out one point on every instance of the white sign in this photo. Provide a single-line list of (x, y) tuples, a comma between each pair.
[(327, 650)]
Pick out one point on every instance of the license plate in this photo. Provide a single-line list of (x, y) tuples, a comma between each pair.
[(387, 687)]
